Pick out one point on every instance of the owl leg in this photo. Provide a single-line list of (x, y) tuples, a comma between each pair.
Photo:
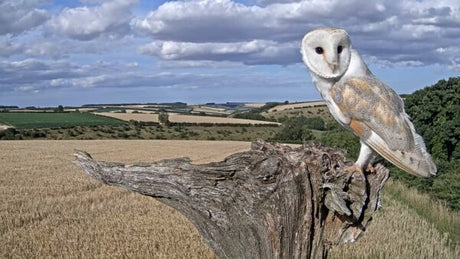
[(366, 155)]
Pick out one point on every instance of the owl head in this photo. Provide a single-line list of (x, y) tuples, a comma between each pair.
[(327, 52)]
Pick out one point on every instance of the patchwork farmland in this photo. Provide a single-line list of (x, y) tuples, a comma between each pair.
[(180, 118)]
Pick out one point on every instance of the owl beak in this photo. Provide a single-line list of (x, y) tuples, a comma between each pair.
[(332, 66)]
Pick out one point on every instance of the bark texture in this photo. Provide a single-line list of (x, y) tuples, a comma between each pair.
[(273, 201)]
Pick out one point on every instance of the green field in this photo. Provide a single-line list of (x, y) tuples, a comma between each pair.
[(29, 120)]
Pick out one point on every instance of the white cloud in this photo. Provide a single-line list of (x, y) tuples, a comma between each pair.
[(27, 89), (406, 32), (17, 16), (205, 21), (74, 49), (83, 82), (110, 18), (269, 2), (250, 52), (132, 64), (8, 47)]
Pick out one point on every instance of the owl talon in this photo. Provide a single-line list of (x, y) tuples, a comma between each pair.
[(370, 168), (350, 170)]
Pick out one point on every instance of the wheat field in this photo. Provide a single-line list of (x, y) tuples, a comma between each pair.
[(291, 106), (50, 208)]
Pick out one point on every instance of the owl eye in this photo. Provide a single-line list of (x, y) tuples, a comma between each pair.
[(319, 50), (339, 49)]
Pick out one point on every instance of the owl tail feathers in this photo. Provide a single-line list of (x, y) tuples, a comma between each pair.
[(428, 163), (416, 162)]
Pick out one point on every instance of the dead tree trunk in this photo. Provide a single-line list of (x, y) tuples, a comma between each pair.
[(273, 201)]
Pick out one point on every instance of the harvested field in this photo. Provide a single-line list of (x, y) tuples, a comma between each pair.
[(50, 208), (182, 118), (130, 116), (211, 110), (283, 107), (79, 109), (309, 110), (254, 105)]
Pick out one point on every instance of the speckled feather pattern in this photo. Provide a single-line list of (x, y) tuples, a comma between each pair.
[(370, 101)]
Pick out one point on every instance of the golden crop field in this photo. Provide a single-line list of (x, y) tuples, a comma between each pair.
[(291, 106), (50, 208), (181, 118), (254, 105)]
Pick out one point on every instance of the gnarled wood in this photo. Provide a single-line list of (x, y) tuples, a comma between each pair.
[(273, 201)]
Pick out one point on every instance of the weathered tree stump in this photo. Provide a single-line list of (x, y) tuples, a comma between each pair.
[(273, 201)]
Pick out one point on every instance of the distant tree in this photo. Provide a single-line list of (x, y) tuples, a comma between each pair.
[(250, 115), (295, 129), (9, 133), (60, 108), (163, 118), (316, 123), (343, 139)]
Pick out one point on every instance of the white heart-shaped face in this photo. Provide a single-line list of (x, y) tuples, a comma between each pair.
[(327, 52)]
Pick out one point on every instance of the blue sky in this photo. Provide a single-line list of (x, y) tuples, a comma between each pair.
[(196, 51)]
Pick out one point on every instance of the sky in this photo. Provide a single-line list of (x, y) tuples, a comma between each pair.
[(199, 51)]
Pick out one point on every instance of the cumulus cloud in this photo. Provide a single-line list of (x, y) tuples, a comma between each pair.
[(33, 72), (403, 33), (17, 16), (27, 89), (226, 20), (250, 52), (110, 18), (56, 47), (204, 21), (34, 75), (28, 74), (8, 47), (268, 2), (212, 38)]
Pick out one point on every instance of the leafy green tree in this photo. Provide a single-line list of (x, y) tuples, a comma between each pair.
[(343, 139), (435, 112), (60, 108), (250, 115), (295, 129), (316, 123), (163, 118)]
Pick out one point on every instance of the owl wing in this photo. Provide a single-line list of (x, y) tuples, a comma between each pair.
[(377, 116)]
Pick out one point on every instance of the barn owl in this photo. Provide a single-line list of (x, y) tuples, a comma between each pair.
[(363, 104)]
